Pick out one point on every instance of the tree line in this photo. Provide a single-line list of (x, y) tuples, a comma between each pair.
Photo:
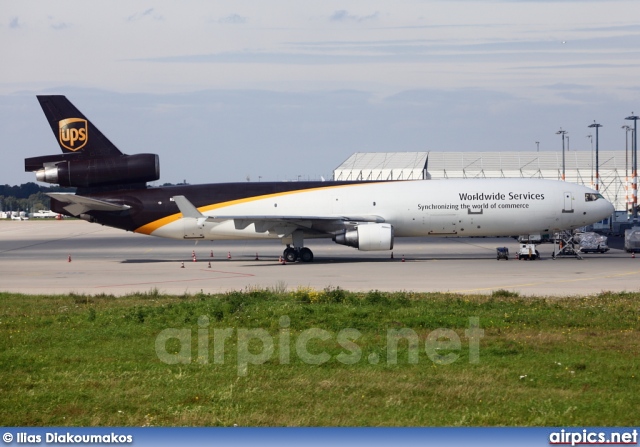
[(29, 197)]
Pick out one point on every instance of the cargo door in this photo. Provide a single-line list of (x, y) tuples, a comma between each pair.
[(193, 229), (568, 203), (444, 224)]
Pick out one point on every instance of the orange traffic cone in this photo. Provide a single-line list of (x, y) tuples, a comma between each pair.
[(209, 265), (211, 255), (194, 259), (257, 257), (228, 255), (182, 266), (402, 258), (69, 258)]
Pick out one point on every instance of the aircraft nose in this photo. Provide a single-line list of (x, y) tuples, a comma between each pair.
[(607, 209)]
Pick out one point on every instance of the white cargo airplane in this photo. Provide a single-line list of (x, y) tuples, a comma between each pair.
[(112, 190), (43, 214)]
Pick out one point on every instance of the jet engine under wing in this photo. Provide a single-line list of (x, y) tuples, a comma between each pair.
[(80, 204), (264, 223)]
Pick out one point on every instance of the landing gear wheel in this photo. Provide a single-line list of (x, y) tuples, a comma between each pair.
[(306, 255), (290, 254)]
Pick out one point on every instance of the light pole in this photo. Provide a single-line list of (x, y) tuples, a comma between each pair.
[(626, 169), (597, 126), (568, 144), (590, 137), (562, 132), (634, 184)]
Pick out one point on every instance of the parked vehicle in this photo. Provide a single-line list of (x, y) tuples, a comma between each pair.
[(591, 242), (632, 240), (527, 252), (502, 253)]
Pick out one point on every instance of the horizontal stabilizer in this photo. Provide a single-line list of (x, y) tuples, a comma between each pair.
[(80, 204)]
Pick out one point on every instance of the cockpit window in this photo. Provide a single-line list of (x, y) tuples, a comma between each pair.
[(592, 197)]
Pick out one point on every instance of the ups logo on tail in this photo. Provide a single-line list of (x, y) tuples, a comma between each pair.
[(73, 133)]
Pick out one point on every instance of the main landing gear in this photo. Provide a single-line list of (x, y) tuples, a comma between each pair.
[(292, 254)]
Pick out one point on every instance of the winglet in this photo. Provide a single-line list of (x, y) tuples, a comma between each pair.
[(186, 208)]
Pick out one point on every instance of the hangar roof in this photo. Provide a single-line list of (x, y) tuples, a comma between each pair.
[(579, 167), (520, 164), (383, 166)]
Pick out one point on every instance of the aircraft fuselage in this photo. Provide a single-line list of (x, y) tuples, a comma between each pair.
[(478, 207)]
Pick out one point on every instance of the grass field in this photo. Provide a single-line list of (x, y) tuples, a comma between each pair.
[(319, 358)]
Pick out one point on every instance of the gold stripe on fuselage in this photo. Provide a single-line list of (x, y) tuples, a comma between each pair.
[(153, 226)]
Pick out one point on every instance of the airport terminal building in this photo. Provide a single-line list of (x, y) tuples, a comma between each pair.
[(614, 168)]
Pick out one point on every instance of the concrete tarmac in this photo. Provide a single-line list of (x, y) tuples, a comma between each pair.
[(34, 259)]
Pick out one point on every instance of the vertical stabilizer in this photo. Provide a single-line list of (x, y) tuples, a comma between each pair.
[(73, 131)]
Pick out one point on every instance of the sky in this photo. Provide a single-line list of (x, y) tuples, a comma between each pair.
[(285, 90)]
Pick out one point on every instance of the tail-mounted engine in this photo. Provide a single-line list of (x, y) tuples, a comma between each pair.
[(368, 237), (84, 172)]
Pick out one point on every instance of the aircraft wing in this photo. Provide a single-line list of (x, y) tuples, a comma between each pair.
[(342, 219), (80, 204), (282, 224)]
